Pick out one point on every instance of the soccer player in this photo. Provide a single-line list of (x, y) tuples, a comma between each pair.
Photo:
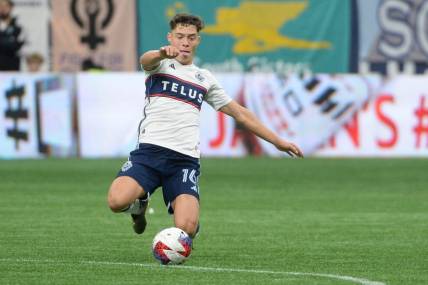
[(168, 154)]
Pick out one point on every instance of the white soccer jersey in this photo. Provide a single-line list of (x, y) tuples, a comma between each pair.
[(174, 96)]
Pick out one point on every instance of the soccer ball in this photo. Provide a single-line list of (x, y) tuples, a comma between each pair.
[(172, 246)]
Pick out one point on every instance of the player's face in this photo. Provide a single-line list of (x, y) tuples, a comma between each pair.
[(186, 39)]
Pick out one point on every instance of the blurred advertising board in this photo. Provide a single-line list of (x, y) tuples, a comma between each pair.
[(326, 115), (94, 35), (388, 117), (392, 36), (394, 124), (110, 109), (304, 109), (36, 115)]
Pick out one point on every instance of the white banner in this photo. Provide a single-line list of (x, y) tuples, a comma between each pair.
[(306, 111), (395, 124), (17, 117), (110, 109), (35, 115)]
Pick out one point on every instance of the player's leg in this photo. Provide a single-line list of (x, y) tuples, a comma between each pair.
[(186, 213), (130, 191), (123, 192), (181, 191), (127, 196)]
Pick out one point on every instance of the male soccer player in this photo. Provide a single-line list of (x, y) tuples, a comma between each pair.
[(168, 154)]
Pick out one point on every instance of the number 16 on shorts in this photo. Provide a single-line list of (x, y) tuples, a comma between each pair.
[(192, 177)]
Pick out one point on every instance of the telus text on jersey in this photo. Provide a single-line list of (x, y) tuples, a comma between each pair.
[(182, 90)]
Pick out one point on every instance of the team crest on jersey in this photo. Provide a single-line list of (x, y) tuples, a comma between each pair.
[(172, 65), (199, 76), (126, 166)]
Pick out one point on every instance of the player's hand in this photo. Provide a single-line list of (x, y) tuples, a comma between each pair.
[(290, 148), (169, 52)]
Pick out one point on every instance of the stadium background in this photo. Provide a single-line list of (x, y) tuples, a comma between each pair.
[(342, 78), (353, 86)]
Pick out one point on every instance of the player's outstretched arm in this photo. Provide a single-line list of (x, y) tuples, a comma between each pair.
[(243, 116), (151, 59)]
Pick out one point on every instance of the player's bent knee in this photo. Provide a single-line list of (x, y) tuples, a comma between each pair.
[(115, 201), (115, 204), (122, 192), (187, 225)]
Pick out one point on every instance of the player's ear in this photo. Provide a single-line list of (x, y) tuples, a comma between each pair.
[(169, 37), (198, 40)]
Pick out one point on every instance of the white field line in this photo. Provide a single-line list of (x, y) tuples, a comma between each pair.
[(355, 280)]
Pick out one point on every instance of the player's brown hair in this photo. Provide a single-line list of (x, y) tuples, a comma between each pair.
[(186, 19)]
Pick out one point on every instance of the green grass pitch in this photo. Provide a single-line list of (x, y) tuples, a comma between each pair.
[(263, 221)]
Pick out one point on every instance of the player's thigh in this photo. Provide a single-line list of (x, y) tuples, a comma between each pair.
[(123, 191), (132, 182), (186, 212)]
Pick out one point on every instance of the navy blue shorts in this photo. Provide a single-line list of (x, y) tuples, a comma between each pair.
[(153, 166)]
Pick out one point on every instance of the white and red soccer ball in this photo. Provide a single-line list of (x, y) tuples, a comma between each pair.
[(172, 246)]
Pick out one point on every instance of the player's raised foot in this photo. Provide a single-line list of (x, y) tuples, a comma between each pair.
[(139, 220)]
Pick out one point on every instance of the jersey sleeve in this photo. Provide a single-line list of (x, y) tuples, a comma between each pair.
[(216, 96)]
